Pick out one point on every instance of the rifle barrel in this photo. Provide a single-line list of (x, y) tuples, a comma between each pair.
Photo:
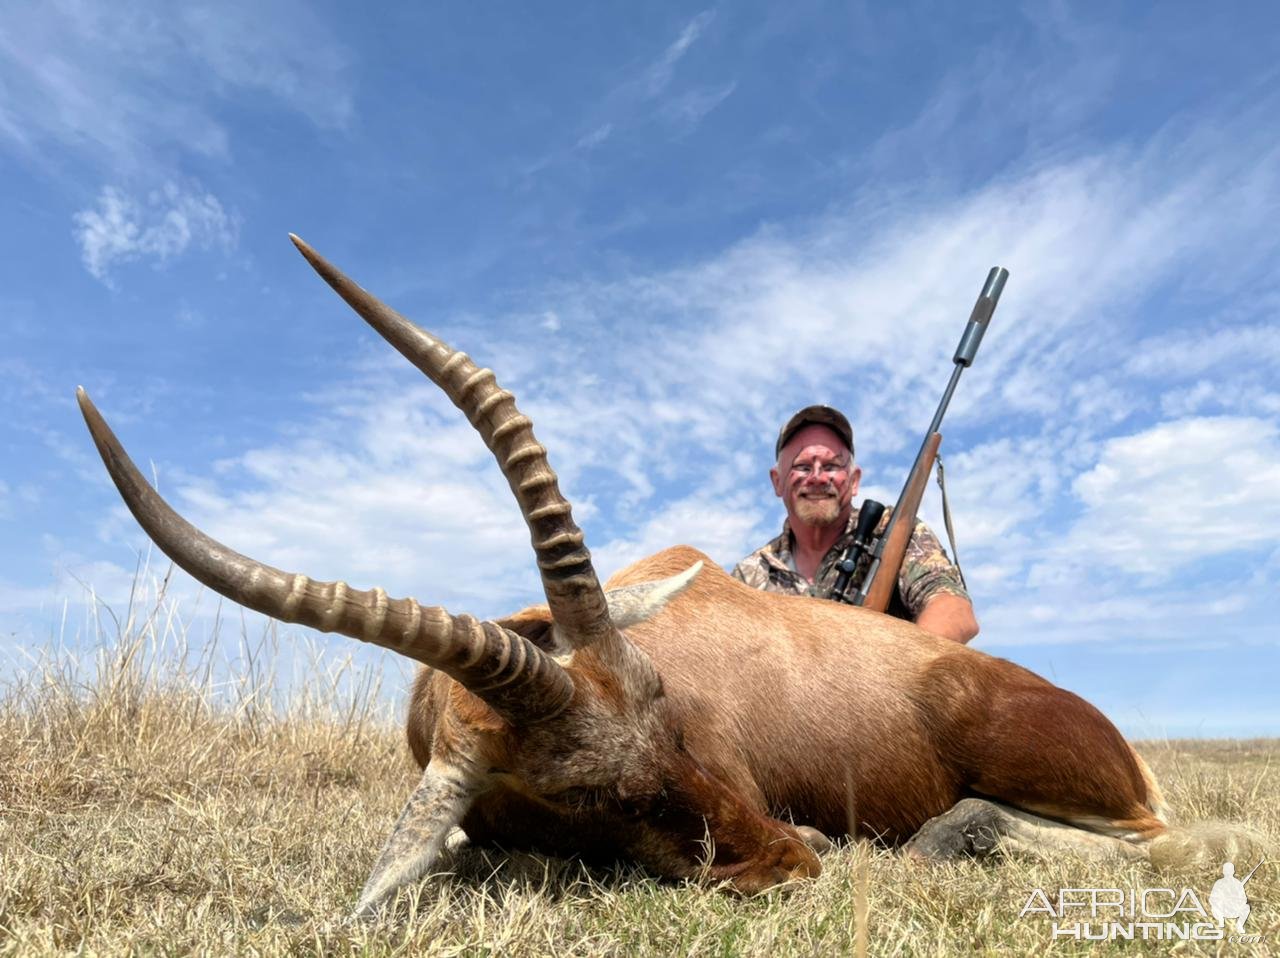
[(1251, 871), (979, 319)]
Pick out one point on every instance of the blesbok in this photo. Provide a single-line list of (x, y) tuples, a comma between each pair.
[(675, 716)]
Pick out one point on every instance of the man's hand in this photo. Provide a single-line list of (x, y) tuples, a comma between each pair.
[(950, 617)]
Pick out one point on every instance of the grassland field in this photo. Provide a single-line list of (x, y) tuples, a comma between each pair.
[(147, 808)]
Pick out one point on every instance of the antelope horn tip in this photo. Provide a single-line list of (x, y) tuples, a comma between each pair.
[(341, 284), (92, 418), (312, 257)]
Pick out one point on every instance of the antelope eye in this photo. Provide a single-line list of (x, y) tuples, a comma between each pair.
[(578, 796)]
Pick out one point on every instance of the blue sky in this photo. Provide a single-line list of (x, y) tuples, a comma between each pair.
[(666, 227)]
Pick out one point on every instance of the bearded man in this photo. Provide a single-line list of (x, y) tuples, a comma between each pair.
[(816, 478)]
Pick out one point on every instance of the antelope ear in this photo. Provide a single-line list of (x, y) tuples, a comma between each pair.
[(633, 604)]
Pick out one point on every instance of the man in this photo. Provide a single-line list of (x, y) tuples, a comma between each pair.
[(816, 479)]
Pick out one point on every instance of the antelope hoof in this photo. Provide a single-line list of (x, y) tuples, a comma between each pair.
[(793, 861), (970, 829), (819, 842)]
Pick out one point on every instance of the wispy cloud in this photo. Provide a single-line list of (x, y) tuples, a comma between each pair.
[(122, 84), (644, 98), (589, 141), (131, 94), (1032, 101), (658, 76), (121, 228), (688, 109), (287, 52), (1194, 352)]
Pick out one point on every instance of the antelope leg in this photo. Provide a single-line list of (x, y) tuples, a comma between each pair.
[(976, 828), (438, 803)]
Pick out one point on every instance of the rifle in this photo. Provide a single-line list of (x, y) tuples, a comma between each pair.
[(889, 550), (1251, 871)]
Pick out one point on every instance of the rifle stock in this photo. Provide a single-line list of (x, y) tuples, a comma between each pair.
[(901, 525)]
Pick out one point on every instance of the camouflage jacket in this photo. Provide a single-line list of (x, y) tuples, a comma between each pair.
[(926, 570)]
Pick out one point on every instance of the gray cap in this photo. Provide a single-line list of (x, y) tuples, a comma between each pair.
[(827, 416)]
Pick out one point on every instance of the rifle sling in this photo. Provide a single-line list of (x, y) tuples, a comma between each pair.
[(946, 518)]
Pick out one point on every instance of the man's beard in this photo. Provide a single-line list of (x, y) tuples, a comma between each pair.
[(820, 512)]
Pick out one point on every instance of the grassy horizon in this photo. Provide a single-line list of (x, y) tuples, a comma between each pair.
[(149, 804)]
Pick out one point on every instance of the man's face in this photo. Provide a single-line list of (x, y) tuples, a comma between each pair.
[(815, 477)]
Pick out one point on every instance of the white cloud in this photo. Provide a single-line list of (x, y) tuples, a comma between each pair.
[(1179, 492), (1194, 352), (1186, 402), (388, 485), (1088, 613), (1171, 536), (1001, 486), (88, 595), (169, 221), (724, 527)]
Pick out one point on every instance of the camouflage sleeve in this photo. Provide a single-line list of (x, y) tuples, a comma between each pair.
[(751, 571), (926, 571)]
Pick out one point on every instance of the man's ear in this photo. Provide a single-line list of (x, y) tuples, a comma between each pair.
[(855, 478), (776, 478)]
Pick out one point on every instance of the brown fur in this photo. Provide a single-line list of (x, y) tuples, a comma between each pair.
[(774, 708)]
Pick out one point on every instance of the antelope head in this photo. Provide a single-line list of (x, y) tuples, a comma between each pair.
[(570, 719)]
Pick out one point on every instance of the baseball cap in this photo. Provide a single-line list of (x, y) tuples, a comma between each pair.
[(827, 416)]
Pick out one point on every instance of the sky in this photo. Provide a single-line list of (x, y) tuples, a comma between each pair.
[(666, 228)]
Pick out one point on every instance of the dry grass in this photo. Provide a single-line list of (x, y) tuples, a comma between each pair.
[(147, 808)]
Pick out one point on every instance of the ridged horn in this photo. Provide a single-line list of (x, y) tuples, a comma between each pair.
[(516, 678), (569, 579)]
